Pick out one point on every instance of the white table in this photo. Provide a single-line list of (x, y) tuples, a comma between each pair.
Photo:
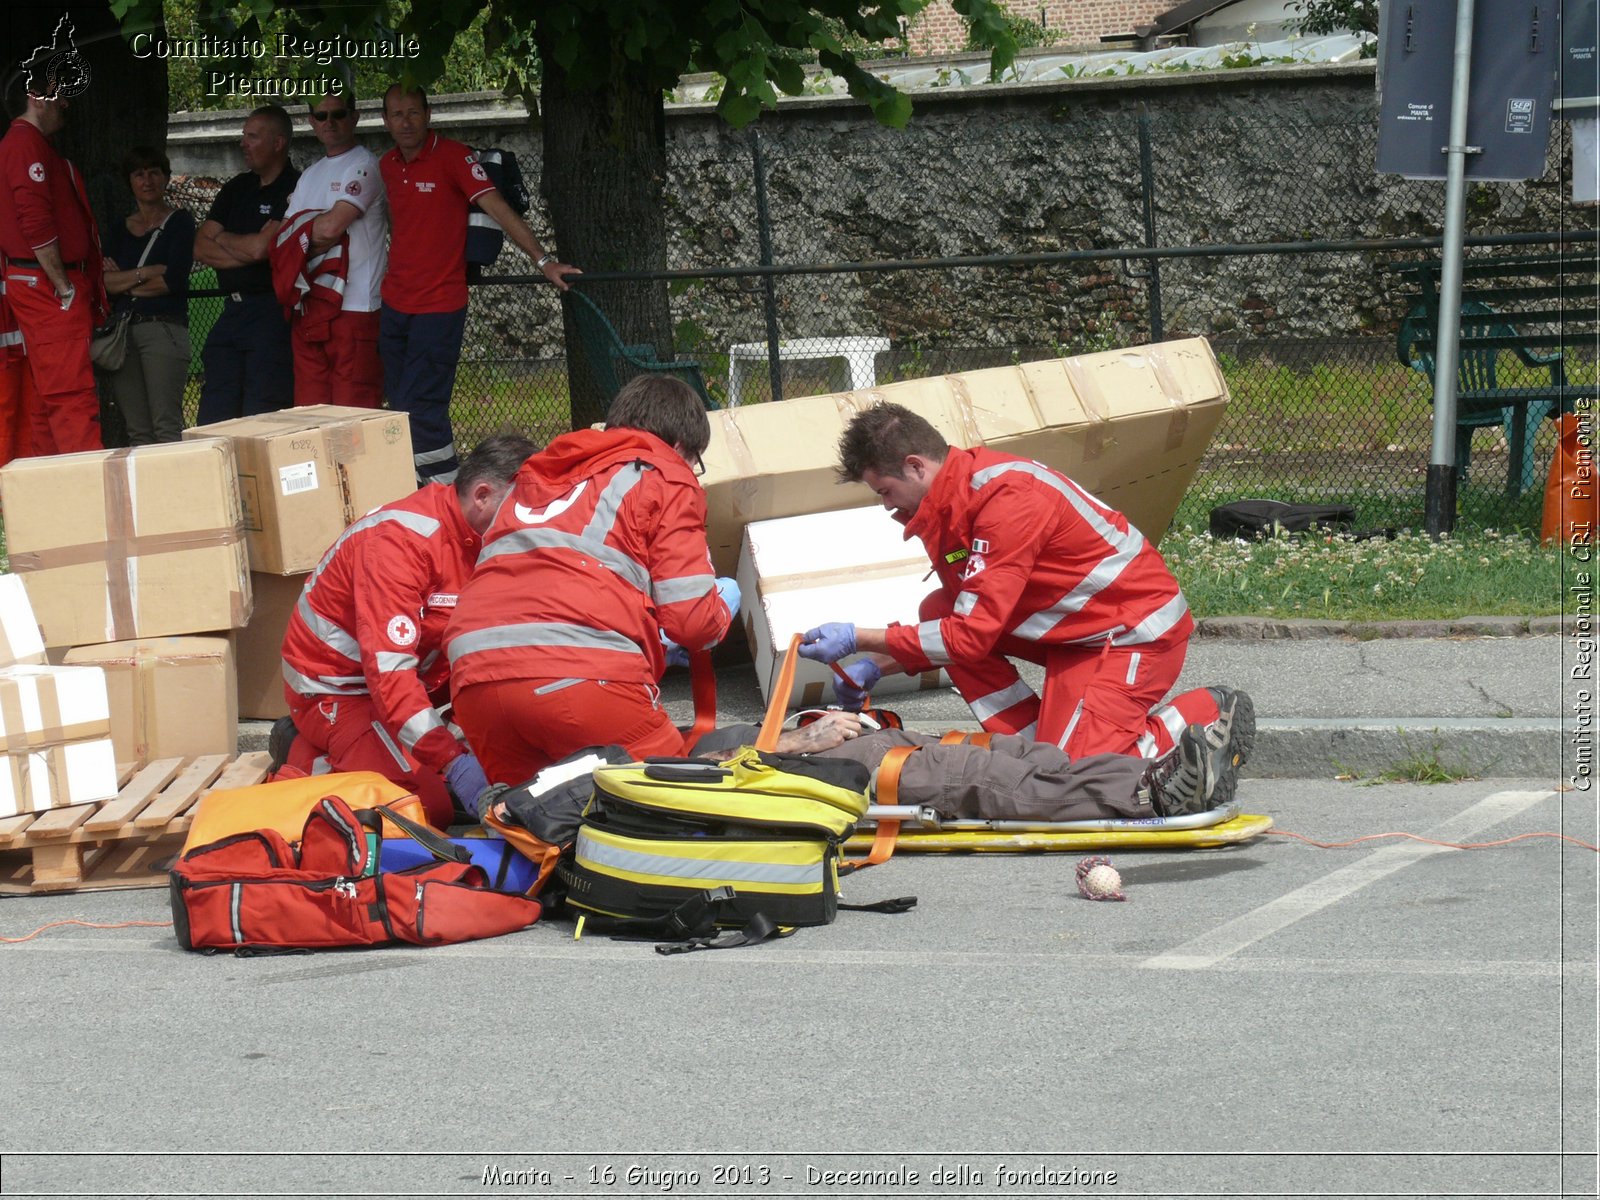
[(859, 352)]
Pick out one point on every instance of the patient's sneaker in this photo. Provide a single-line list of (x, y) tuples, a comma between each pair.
[(278, 743), (1233, 733), (1183, 779)]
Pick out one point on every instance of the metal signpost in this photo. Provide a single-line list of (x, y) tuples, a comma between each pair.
[(1490, 96)]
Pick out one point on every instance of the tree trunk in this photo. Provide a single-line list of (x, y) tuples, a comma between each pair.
[(603, 181), (125, 103)]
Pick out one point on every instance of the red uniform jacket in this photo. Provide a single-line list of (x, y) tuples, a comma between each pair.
[(1028, 553), (42, 201), (371, 619), (310, 285), (599, 546)]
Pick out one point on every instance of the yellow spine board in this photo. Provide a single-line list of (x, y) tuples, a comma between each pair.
[(1243, 828)]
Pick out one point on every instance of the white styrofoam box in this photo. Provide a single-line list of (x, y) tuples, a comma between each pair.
[(44, 704), (850, 565), (20, 639), (58, 776)]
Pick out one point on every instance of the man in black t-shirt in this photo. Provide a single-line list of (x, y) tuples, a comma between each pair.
[(248, 365)]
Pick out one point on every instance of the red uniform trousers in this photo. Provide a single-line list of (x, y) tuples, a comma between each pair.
[(345, 369), (1098, 699), (518, 727), (66, 418), (346, 731), (17, 402)]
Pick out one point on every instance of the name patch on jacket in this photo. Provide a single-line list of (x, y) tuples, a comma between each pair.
[(955, 556), (442, 600)]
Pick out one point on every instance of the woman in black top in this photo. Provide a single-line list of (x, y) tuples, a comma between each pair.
[(147, 274)]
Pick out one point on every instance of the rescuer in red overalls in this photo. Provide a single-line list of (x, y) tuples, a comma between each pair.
[(54, 277), (1031, 566)]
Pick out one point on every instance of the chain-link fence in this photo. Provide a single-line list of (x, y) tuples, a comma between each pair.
[(858, 255)]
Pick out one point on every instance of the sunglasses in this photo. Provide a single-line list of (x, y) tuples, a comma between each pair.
[(332, 114)]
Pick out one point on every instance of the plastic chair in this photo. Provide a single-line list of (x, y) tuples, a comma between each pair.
[(611, 359), (1477, 372)]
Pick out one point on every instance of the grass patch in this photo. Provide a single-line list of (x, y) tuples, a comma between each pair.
[(1418, 766), (1413, 577)]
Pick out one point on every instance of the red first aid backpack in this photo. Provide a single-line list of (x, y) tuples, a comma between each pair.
[(257, 890)]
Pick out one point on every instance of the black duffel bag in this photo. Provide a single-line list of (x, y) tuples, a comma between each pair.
[(1252, 519)]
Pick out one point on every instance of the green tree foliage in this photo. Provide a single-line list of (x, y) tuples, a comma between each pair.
[(1336, 16)]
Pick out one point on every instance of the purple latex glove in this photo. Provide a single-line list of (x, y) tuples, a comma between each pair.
[(829, 643), (864, 675)]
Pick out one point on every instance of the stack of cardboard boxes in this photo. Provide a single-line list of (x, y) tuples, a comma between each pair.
[(304, 475), (168, 571)]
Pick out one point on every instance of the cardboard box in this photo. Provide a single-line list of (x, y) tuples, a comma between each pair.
[(259, 647), (1129, 425), (119, 544), (20, 639), (307, 473), (174, 697), (55, 726), (854, 565)]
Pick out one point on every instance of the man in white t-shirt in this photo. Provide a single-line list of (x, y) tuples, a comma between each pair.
[(341, 365)]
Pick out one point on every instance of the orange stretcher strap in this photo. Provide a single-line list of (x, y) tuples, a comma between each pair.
[(703, 686), (778, 705), (886, 791), (956, 738)]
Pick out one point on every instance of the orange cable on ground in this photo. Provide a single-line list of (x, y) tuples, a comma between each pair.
[(92, 925), (1429, 841)]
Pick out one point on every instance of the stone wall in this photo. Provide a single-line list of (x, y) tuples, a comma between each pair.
[(1252, 156)]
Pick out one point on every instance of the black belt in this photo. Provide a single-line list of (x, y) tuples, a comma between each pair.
[(33, 262), (240, 297), (169, 318)]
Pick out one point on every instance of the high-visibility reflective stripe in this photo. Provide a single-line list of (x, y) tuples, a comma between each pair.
[(1172, 719), (418, 524), (557, 686), (322, 765), (390, 660), (1156, 624), (1071, 725), (235, 898), (444, 476), (539, 633), (524, 541), (619, 858), (996, 703), (388, 742), (685, 587), (328, 685), (13, 338), (931, 638), (1133, 667), (606, 508), (418, 725), (443, 454), (1104, 574), (1029, 731), (482, 220), (433, 657), (965, 603), (1124, 546), (327, 631)]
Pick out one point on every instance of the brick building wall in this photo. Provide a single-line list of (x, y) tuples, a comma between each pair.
[(938, 29)]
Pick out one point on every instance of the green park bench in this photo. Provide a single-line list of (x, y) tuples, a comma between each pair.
[(613, 362), (1532, 308)]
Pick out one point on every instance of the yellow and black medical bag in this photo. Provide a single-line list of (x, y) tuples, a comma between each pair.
[(767, 826)]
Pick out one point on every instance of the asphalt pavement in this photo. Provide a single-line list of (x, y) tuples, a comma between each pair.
[(1390, 1017)]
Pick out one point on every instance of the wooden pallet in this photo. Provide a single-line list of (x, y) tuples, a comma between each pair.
[(127, 842)]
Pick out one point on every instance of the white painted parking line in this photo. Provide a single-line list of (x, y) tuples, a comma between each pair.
[(1233, 936)]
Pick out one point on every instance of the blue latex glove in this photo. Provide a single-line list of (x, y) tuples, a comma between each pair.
[(829, 643), (467, 781), (728, 589), (865, 675)]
